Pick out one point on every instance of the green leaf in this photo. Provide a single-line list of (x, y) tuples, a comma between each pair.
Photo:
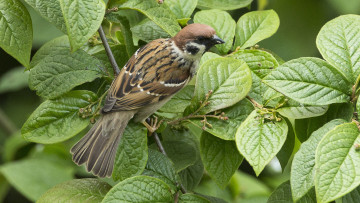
[(310, 81), (192, 175), (12, 146), (16, 30), (300, 112), (50, 10), (160, 14), (82, 19), (119, 52), (188, 198), (50, 47), (181, 153), (161, 167), (259, 141), (229, 80), (139, 189), (304, 127), (283, 194), (23, 174), (223, 24), (337, 163), (61, 71), (13, 80), (58, 120), (224, 4), (207, 56), (182, 8), (288, 147), (260, 62), (220, 157), (339, 43), (352, 197), (132, 153), (274, 99), (247, 186), (258, 89), (303, 165), (78, 190), (179, 101), (226, 129), (255, 26), (148, 31)]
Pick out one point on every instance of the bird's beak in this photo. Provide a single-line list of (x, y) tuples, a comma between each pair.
[(218, 40)]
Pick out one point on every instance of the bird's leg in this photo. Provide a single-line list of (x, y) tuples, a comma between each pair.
[(154, 124)]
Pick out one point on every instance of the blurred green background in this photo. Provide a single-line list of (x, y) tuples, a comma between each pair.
[(300, 21)]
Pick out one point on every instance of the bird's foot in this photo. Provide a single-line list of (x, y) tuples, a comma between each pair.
[(154, 124)]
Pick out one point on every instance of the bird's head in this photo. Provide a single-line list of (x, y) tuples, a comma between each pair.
[(195, 39)]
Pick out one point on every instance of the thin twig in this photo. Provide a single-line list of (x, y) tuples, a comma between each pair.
[(254, 102), (158, 142), (162, 150), (6, 123), (108, 51)]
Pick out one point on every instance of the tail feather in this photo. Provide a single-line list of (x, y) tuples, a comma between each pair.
[(97, 149)]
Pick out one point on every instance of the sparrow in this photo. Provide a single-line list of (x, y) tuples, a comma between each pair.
[(148, 80)]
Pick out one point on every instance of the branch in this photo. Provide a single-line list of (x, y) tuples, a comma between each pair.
[(254, 102), (162, 150), (108, 51)]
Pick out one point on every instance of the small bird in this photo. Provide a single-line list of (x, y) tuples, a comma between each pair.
[(148, 80)]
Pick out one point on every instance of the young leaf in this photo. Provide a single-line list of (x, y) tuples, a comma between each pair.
[(255, 26), (13, 80), (303, 165), (337, 163), (61, 71), (310, 81), (300, 112), (50, 10), (259, 141), (132, 153), (159, 13), (16, 30), (50, 47), (260, 62), (58, 120), (228, 79), (182, 8), (283, 194), (220, 157), (161, 167), (223, 24), (23, 174), (339, 43), (139, 189), (226, 129), (82, 19), (78, 190), (224, 4)]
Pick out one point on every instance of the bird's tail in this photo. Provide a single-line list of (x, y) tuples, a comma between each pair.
[(97, 149)]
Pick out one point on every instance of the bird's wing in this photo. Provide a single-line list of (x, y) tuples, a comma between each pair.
[(152, 74)]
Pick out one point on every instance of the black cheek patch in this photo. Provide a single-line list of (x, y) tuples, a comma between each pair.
[(192, 49)]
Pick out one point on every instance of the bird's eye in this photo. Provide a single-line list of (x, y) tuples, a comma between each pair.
[(201, 38)]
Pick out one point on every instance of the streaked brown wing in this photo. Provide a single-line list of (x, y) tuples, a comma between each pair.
[(151, 75)]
